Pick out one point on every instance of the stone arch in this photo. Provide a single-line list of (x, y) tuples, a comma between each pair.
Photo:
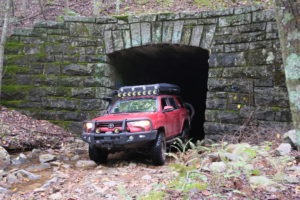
[(60, 70)]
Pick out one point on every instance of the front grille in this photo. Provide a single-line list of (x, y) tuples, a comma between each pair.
[(109, 124)]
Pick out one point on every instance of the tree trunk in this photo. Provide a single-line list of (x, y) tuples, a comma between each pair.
[(288, 21), (3, 39)]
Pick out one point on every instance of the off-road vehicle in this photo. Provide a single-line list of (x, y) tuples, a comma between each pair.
[(143, 117)]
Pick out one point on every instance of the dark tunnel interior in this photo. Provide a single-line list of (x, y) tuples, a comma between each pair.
[(182, 65)]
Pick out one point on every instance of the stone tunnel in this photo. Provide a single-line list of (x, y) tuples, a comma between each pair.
[(228, 64)]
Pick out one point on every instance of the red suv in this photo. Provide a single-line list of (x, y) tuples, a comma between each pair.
[(139, 117)]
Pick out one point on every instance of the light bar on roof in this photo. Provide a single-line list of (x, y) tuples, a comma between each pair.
[(144, 90)]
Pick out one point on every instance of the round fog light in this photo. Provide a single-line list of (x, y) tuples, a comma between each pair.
[(130, 137)]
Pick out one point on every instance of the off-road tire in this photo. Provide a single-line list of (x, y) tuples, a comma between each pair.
[(158, 150), (97, 155)]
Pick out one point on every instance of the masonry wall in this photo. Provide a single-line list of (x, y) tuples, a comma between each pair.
[(59, 70)]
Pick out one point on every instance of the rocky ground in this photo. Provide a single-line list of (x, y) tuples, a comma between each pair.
[(268, 169)]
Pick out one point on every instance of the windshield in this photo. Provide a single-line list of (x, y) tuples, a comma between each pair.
[(134, 105)]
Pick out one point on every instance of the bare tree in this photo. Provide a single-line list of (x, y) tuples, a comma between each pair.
[(4, 38), (288, 20)]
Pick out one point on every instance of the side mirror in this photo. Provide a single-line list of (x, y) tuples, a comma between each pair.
[(168, 108)]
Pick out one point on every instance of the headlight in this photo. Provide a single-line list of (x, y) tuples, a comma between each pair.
[(88, 127), (138, 126)]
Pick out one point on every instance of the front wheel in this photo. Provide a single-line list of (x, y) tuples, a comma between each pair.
[(158, 150), (97, 155)]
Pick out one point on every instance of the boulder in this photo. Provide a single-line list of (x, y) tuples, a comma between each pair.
[(283, 149), (4, 158), (21, 159), (290, 137)]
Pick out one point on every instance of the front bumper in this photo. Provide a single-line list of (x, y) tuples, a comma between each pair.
[(120, 141)]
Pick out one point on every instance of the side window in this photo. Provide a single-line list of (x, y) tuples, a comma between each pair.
[(163, 103), (173, 103)]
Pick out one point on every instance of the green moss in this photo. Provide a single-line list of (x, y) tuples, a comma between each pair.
[(15, 88), (11, 59), (14, 69), (14, 103), (121, 17)]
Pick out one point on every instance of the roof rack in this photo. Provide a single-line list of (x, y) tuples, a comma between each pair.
[(151, 89)]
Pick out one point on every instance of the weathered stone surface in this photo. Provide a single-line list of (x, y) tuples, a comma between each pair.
[(167, 31), (283, 149), (291, 138), (146, 33), (75, 69), (135, 34), (4, 158), (46, 158), (21, 159), (85, 164)]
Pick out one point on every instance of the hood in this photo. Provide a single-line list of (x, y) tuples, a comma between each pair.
[(122, 116)]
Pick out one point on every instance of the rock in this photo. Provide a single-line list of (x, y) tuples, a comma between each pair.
[(3, 190), (46, 158), (35, 153), (12, 178), (4, 158), (260, 181), (294, 168), (291, 179), (76, 157), (50, 182), (241, 151), (21, 159), (217, 167), (283, 149), (85, 164), (146, 177), (28, 175), (56, 196), (290, 137), (38, 168)]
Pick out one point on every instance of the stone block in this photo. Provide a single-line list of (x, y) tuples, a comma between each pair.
[(105, 20), (215, 72), (264, 16), (83, 93), (219, 104), (109, 48), (77, 70), (168, 27), (207, 36), (260, 72), (127, 39), (235, 20), (196, 36), (274, 97), (157, 32), (135, 34), (92, 104), (241, 85), (118, 40), (146, 33), (60, 103), (177, 32), (227, 59), (186, 35)]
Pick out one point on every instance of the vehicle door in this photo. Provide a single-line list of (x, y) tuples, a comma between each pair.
[(176, 117)]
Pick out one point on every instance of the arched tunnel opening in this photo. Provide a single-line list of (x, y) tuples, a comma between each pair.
[(181, 65)]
